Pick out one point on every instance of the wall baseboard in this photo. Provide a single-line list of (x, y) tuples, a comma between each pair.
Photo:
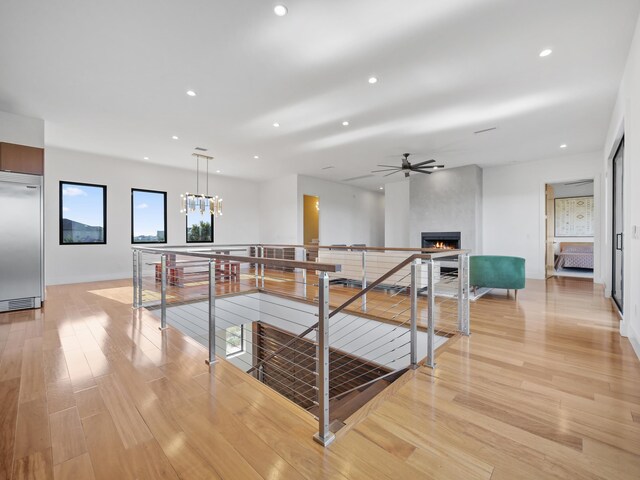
[(87, 278)]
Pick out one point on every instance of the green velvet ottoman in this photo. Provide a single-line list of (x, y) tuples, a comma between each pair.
[(496, 271)]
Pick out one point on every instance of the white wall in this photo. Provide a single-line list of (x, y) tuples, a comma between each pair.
[(82, 263), (278, 209), (397, 207), (21, 130), (514, 205), (626, 119), (347, 214)]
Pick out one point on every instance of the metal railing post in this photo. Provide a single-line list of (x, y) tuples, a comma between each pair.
[(431, 315), (163, 291), (414, 313), (262, 267), (304, 273), (364, 280), (212, 312), (256, 252), (465, 296), (139, 263), (324, 435), (461, 292), (134, 279)]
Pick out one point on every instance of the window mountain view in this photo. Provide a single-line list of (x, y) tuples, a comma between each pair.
[(76, 232), (82, 213)]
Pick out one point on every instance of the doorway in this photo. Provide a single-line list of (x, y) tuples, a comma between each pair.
[(617, 282), (311, 224), (570, 229)]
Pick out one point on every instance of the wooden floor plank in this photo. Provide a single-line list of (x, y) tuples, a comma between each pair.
[(126, 418), (9, 392), (74, 469), (107, 453), (36, 465), (32, 430), (67, 436)]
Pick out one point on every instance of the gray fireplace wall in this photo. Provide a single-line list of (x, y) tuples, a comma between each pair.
[(448, 200)]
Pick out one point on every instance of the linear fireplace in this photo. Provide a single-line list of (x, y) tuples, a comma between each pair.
[(447, 240)]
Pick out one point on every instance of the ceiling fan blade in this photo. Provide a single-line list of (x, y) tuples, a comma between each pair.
[(579, 182), (424, 171), (429, 166), (424, 163), (390, 166), (391, 173), (385, 170)]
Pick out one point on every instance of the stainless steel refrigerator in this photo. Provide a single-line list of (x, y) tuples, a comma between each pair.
[(21, 241)]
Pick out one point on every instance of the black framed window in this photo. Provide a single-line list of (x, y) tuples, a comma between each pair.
[(148, 216), (199, 227), (83, 213)]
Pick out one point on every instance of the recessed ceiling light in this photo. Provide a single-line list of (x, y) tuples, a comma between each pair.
[(381, 188), (256, 157), (217, 171), (280, 10), (345, 124), (191, 93), (146, 158), (373, 80), (276, 124), (175, 137), (564, 145), (546, 52), (435, 168)]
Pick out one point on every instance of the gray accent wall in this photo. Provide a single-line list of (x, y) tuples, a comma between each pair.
[(448, 200)]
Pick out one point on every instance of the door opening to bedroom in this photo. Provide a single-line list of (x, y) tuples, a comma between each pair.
[(569, 214)]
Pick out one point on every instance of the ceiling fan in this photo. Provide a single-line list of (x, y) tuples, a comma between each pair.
[(578, 183), (407, 168)]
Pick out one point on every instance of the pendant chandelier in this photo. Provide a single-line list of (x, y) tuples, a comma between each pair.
[(197, 202)]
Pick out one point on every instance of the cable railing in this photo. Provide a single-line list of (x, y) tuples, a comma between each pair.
[(318, 332)]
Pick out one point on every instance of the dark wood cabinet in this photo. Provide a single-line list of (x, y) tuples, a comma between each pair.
[(21, 159)]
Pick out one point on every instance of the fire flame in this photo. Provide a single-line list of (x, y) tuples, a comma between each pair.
[(443, 245)]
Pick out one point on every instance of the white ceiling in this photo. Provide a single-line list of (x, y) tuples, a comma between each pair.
[(110, 77)]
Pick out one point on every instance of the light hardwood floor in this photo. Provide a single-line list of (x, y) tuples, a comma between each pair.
[(544, 388)]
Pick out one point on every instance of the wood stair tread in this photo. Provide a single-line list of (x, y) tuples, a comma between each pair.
[(344, 407)]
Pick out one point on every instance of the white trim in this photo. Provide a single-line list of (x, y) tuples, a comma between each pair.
[(634, 339)]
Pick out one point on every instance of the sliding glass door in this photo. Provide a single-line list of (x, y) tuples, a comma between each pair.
[(617, 284)]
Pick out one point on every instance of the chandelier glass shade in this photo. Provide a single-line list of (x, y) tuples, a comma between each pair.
[(192, 203), (197, 202)]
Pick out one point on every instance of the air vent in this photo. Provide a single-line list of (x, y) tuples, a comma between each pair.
[(17, 304), (200, 149), (328, 167), (486, 130), (356, 178)]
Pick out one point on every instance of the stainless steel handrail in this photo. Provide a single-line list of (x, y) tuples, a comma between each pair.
[(397, 268), (275, 262)]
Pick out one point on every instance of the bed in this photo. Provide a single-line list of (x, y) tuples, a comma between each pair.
[(575, 255)]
